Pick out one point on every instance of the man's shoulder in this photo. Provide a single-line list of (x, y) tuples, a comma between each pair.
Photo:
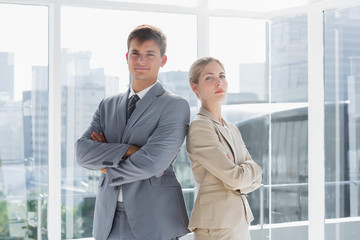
[(171, 100), (172, 96), (113, 98)]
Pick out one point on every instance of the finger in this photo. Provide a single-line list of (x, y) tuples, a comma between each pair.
[(103, 137), (93, 137), (96, 137)]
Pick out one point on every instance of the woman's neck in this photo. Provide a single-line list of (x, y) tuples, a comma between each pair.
[(214, 109)]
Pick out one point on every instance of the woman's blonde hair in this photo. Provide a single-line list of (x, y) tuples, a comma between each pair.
[(198, 66)]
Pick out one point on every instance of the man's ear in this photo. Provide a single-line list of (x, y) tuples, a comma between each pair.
[(127, 56), (163, 60)]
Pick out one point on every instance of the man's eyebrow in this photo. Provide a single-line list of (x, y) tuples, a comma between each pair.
[(149, 51)]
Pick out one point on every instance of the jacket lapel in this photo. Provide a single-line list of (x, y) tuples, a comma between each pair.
[(230, 139), (156, 91), (221, 129), (121, 110)]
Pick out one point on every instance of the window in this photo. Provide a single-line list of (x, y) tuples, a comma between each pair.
[(264, 47), (342, 122), (94, 66), (271, 114), (23, 121)]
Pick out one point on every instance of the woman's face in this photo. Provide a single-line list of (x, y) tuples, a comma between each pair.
[(212, 85)]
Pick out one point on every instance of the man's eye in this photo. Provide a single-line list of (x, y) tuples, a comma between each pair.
[(208, 78), (222, 76)]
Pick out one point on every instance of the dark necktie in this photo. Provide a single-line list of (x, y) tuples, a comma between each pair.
[(131, 104)]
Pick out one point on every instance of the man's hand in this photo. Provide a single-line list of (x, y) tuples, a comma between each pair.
[(131, 150), (99, 138)]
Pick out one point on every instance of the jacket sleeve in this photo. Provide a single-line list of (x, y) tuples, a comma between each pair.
[(257, 183), (161, 148), (203, 145), (95, 155)]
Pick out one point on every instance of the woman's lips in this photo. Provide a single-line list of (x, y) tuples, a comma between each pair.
[(220, 91)]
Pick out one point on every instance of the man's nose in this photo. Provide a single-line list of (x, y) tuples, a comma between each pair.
[(141, 58)]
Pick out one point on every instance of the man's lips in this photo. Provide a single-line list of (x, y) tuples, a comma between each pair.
[(141, 68)]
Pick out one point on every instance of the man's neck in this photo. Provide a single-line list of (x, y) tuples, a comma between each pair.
[(139, 85)]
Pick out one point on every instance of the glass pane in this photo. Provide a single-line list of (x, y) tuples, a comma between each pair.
[(289, 59), (94, 66), (289, 147), (274, 123), (242, 47), (256, 5), (342, 123), (290, 204), (259, 201), (245, 59), (255, 133), (23, 121), (289, 123)]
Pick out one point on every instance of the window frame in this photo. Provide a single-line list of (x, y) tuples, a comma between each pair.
[(314, 11)]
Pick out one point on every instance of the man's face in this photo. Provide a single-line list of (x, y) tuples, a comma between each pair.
[(144, 60)]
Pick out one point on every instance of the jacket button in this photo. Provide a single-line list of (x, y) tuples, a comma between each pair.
[(117, 179), (116, 188)]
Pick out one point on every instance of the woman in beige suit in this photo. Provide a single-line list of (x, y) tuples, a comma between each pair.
[(222, 166)]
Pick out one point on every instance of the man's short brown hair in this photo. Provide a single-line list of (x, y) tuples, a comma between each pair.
[(145, 32)]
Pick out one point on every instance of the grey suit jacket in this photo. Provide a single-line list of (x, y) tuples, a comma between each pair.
[(152, 195)]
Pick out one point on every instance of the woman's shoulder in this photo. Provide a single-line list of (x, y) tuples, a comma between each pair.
[(201, 123), (201, 120)]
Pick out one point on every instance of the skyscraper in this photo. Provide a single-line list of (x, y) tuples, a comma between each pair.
[(6, 76)]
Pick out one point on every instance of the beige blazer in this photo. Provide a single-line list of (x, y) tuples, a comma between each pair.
[(224, 173)]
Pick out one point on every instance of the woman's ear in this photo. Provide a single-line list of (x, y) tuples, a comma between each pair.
[(194, 87)]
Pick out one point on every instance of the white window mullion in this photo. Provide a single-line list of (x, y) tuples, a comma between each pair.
[(54, 199), (203, 29), (316, 158)]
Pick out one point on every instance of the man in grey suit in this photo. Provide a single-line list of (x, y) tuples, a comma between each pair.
[(133, 139)]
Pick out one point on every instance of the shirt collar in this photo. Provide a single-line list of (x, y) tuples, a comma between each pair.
[(142, 93)]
